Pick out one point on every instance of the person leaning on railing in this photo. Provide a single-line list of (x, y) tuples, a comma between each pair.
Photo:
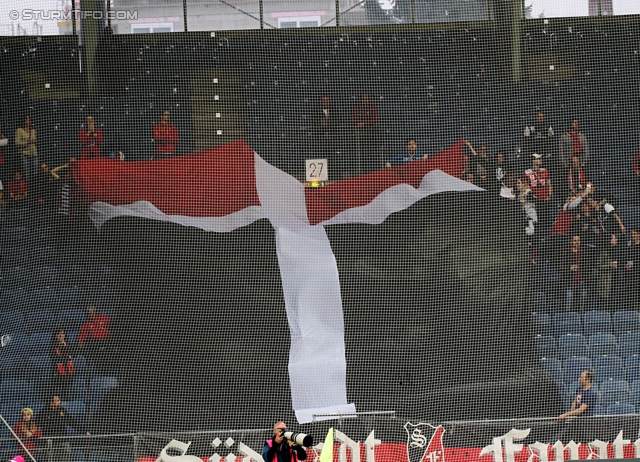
[(585, 399), (53, 421)]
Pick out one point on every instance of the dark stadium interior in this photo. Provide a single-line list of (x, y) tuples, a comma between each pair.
[(437, 299)]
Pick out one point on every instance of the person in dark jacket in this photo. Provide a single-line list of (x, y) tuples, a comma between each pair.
[(63, 371), (53, 421), (279, 449)]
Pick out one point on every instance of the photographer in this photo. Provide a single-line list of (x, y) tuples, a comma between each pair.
[(279, 449)]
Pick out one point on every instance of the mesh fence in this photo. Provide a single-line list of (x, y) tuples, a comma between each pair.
[(391, 213)]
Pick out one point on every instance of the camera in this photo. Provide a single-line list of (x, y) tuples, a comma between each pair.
[(301, 439)]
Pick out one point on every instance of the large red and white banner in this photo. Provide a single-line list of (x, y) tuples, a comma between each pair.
[(225, 188)]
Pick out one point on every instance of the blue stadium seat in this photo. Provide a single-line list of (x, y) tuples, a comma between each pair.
[(626, 321), (17, 216), (635, 392), (99, 275), (100, 386), (567, 323), (608, 368), (632, 368), (16, 391), (542, 324), (599, 410), (39, 343), (74, 275), (15, 236), (14, 299), (45, 256), (621, 409), (40, 367), (603, 345), (44, 298), (573, 367), (15, 276), (546, 346), (103, 298), (16, 346), (12, 368), (71, 320), (70, 298), (45, 276), (572, 346), (77, 410), (615, 391), (12, 322), (12, 412), (597, 322), (82, 369), (629, 344), (41, 321), (79, 390), (553, 366), (539, 302), (15, 256)]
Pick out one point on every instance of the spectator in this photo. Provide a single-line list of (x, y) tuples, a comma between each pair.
[(409, 156), (327, 124), (636, 165), (45, 186), (539, 181), (498, 172), (96, 340), (3, 161), (576, 180), (479, 165), (61, 355), (606, 220), (27, 430), (364, 117), (585, 399), (3, 202), (90, 138), (610, 267), (468, 177), (26, 143), (537, 136), (53, 421), (18, 190), (165, 137), (528, 201), (632, 268), (563, 224), (576, 272), (574, 144)]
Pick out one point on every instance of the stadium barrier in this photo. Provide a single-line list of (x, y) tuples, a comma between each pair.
[(373, 440)]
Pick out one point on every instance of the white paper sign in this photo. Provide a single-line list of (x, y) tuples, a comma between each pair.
[(317, 170)]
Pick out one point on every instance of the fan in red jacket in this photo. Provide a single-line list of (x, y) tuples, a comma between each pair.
[(27, 430), (96, 328), (90, 138), (97, 342), (165, 135)]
